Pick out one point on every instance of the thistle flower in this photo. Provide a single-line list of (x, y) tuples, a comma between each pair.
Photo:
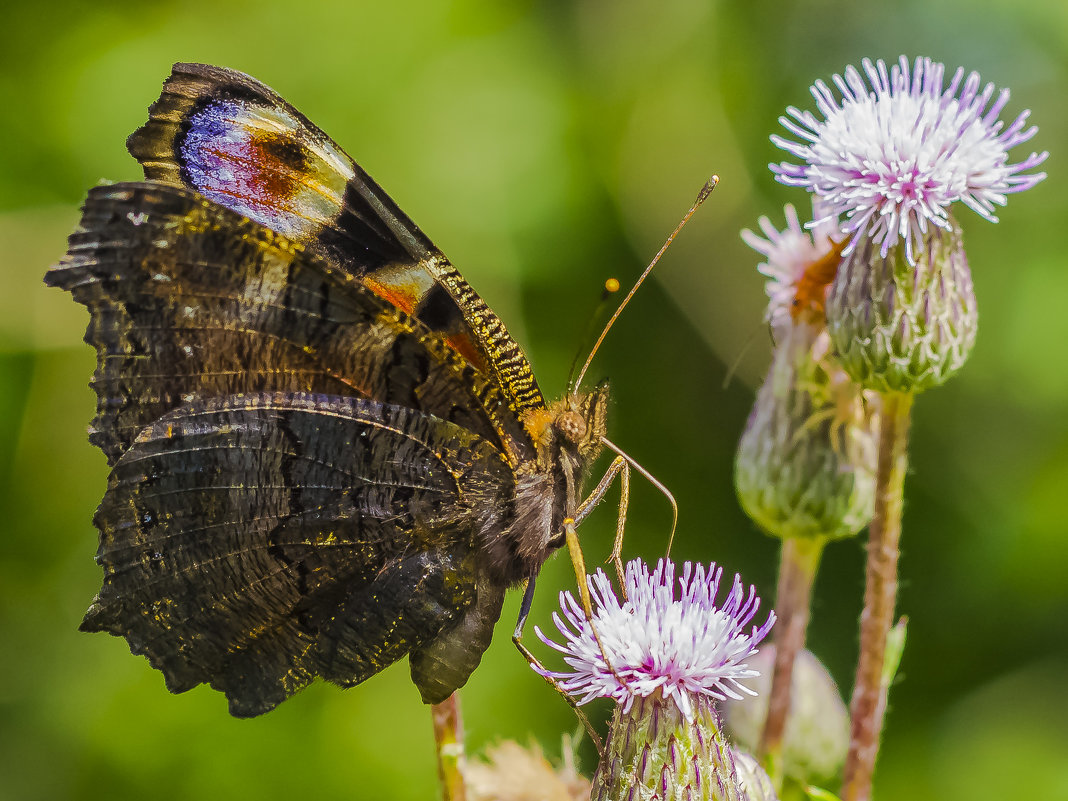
[(805, 465), (670, 654), (683, 647), (891, 159)]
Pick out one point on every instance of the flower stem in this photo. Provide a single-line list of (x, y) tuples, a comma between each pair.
[(449, 745), (868, 705), (799, 560)]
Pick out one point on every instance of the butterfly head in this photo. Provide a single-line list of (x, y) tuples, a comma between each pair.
[(583, 421), (571, 428)]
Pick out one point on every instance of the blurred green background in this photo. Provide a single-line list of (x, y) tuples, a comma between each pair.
[(546, 146)]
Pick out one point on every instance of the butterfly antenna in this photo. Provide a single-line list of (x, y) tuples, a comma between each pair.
[(702, 196), (652, 480), (611, 286)]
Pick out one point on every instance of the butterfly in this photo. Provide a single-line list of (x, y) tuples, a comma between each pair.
[(326, 451)]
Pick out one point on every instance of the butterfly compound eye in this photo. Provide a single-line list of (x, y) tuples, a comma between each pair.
[(571, 426)]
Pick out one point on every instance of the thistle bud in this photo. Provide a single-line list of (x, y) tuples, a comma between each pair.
[(817, 726), (754, 778), (655, 751), (805, 463)]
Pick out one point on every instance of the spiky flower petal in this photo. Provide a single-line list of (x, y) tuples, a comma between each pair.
[(892, 154), (679, 645)]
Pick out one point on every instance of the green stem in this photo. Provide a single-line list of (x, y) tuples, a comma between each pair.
[(798, 562), (868, 706), (449, 745)]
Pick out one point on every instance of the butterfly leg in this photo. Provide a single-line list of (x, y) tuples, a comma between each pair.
[(618, 467), (621, 465), (621, 519), (582, 577), (541, 670)]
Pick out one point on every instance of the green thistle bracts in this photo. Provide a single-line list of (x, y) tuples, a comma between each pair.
[(898, 327), (653, 751), (805, 463)]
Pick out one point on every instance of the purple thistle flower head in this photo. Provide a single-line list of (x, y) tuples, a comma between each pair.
[(681, 643), (890, 159)]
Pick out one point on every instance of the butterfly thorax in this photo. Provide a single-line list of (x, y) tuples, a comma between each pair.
[(567, 439)]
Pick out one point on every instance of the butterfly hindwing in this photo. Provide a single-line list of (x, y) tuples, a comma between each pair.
[(191, 300), (257, 541), (240, 144)]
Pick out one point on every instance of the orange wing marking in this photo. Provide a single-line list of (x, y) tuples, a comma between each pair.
[(462, 344), (403, 296)]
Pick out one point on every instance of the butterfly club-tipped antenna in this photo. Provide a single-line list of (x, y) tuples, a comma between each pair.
[(702, 196), (622, 461)]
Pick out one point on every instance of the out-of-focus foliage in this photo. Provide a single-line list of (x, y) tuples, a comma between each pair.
[(545, 147)]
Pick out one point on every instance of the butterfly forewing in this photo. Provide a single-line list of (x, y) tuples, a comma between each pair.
[(240, 144), (190, 300)]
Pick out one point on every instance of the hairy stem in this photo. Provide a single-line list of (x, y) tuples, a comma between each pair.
[(868, 705), (449, 745), (799, 560)]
